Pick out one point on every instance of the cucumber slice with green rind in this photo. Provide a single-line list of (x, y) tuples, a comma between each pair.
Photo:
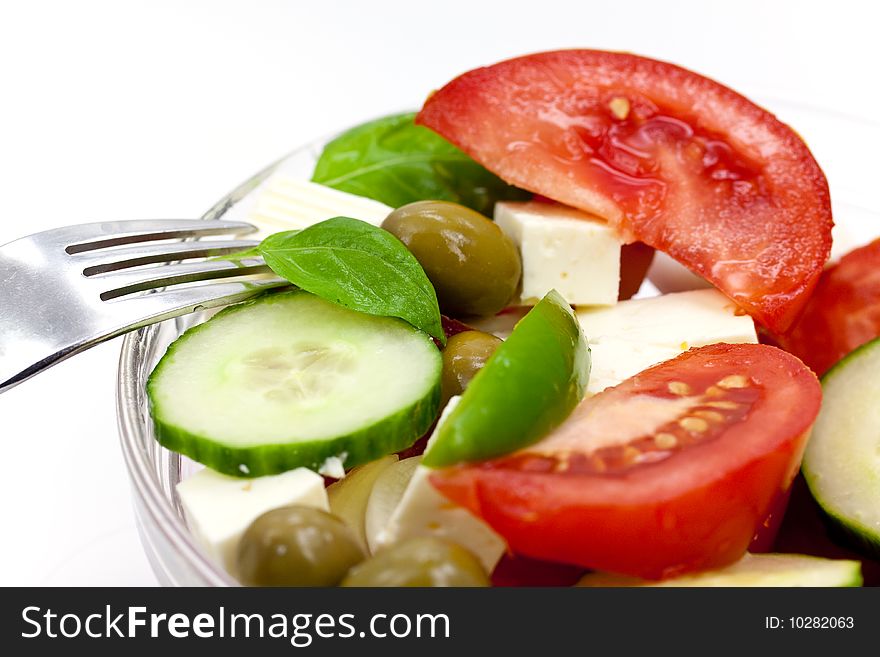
[(754, 570), (528, 387), (289, 379), (842, 461)]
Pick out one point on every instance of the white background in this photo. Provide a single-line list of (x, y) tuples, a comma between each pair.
[(118, 110)]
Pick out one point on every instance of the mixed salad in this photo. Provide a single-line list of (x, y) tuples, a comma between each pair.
[(457, 388)]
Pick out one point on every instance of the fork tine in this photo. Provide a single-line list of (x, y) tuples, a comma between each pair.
[(99, 235), (104, 261), (179, 301), (128, 281)]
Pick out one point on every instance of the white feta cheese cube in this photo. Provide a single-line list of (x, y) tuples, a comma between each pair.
[(614, 360), (285, 202), (219, 508), (564, 249), (694, 318), (636, 334)]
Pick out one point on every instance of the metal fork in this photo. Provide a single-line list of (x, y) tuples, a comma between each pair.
[(65, 290)]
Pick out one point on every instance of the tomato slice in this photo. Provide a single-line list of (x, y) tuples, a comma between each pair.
[(671, 158), (842, 314), (669, 472)]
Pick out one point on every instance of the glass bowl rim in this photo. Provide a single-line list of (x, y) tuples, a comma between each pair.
[(131, 429)]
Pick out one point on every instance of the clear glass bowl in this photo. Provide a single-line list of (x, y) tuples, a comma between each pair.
[(841, 143), (155, 471)]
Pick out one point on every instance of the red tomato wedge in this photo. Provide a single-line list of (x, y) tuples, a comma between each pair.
[(842, 314), (671, 471), (669, 157)]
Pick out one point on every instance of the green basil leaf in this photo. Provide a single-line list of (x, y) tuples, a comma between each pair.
[(359, 266), (395, 161)]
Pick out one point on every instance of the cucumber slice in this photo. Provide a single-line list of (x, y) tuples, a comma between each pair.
[(288, 380), (842, 460), (754, 570)]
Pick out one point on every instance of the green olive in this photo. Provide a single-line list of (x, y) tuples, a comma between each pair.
[(464, 356), (423, 561), (297, 546), (474, 267)]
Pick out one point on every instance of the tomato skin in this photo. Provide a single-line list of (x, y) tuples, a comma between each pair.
[(697, 509), (654, 541), (768, 529), (842, 314), (689, 167)]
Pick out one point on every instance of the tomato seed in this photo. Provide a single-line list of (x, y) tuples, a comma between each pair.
[(693, 424), (562, 465), (630, 454), (733, 381), (665, 441), (727, 405), (711, 416), (619, 107)]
